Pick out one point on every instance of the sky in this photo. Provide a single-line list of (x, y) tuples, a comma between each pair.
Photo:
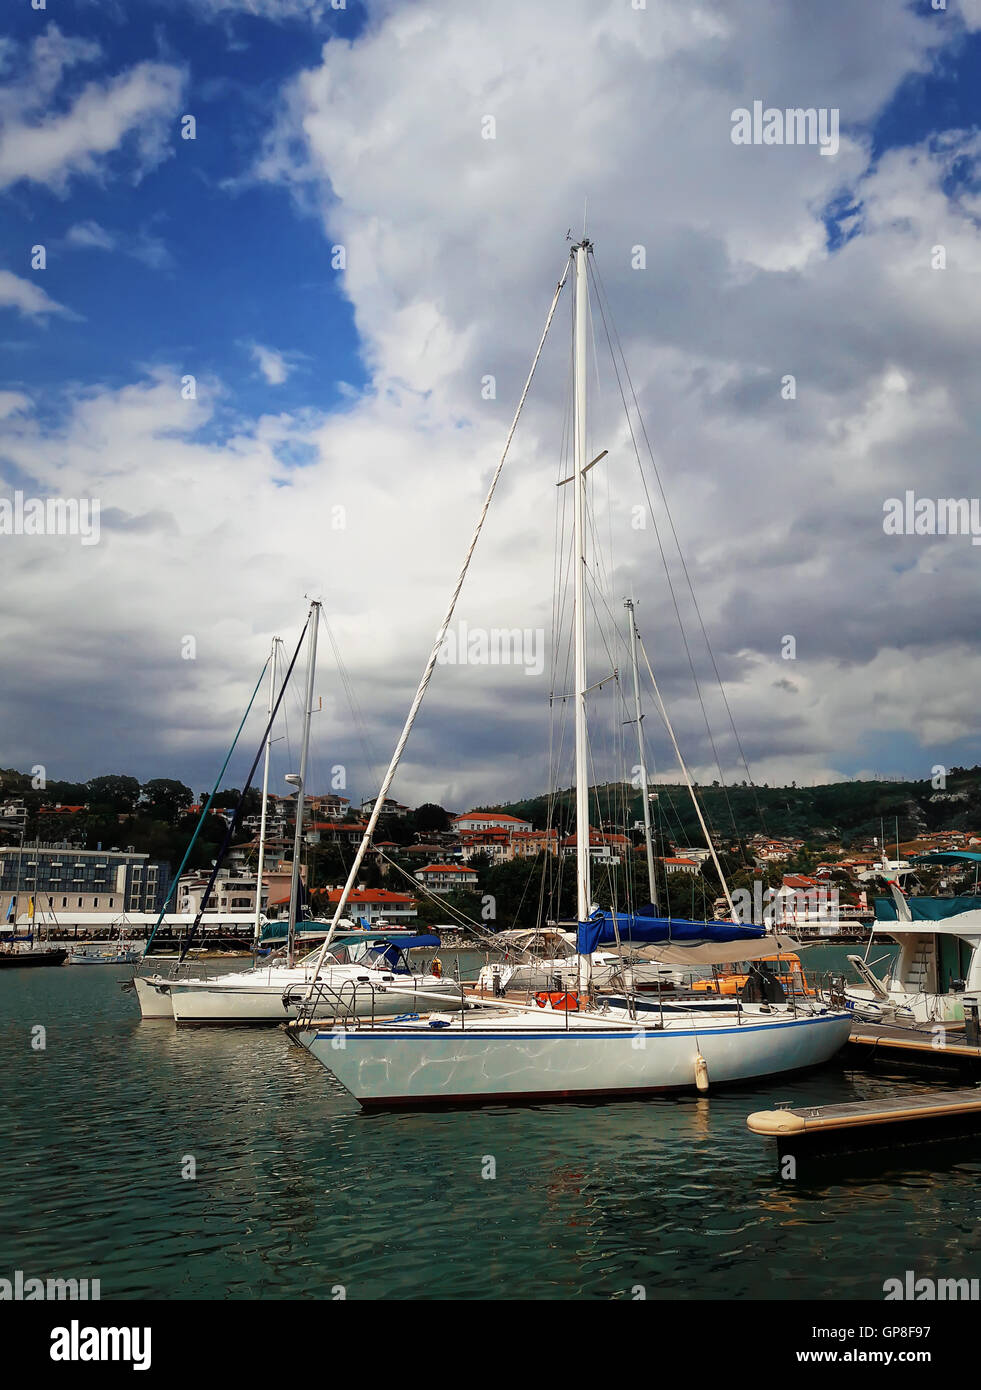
[(260, 260)]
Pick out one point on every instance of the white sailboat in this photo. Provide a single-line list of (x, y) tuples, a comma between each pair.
[(575, 1045), (365, 965)]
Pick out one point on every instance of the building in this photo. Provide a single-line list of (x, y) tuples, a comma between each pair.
[(494, 842), (605, 847), (389, 807), (330, 807), (526, 844), (233, 892), (62, 878), (329, 832), (675, 864), (447, 878), (375, 903), (489, 820)]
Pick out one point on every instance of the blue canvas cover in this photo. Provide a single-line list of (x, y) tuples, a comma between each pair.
[(644, 928), (927, 909)]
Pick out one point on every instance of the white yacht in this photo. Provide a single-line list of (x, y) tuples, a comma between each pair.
[(369, 974), (939, 961)]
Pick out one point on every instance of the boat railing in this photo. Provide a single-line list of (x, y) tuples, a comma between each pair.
[(337, 1004)]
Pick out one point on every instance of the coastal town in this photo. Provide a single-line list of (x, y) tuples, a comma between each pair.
[(426, 865)]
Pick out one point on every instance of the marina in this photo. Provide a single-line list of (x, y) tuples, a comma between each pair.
[(490, 772), (587, 1201)]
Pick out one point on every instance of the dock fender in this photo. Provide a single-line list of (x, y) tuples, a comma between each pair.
[(701, 1073)]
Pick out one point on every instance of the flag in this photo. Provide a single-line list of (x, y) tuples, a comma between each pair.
[(30, 910), (10, 910)]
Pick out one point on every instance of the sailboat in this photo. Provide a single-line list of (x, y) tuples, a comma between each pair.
[(16, 952), (366, 967), (572, 1044)]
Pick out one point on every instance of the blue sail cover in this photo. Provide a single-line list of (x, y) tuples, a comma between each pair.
[(643, 928)]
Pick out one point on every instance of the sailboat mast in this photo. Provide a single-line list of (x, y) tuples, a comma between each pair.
[(642, 760), (301, 781), (265, 795), (583, 885)]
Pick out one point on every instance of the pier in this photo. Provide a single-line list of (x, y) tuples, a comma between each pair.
[(872, 1124)]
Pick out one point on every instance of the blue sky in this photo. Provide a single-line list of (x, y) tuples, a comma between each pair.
[(206, 262), (321, 391)]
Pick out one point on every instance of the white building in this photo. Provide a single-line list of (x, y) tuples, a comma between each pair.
[(489, 820)]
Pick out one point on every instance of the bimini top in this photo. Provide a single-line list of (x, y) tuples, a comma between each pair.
[(645, 928), (927, 909), (949, 856)]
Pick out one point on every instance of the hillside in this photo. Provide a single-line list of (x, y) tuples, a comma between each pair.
[(847, 813)]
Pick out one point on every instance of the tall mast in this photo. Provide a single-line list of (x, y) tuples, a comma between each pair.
[(642, 760), (265, 796), (300, 782), (583, 885)]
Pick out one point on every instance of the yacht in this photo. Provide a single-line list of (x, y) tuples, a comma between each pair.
[(938, 962)]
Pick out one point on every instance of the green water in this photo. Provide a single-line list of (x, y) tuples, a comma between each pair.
[(296, 1191)]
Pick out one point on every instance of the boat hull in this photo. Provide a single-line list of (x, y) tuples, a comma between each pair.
[(19, 960), (395, 1067), (195, 1007), (154, 997)]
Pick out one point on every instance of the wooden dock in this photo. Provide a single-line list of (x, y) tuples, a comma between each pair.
[(921, 1046), (854, 1126)]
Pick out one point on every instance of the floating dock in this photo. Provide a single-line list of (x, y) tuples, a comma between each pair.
[(869, 1124), (921, 1046)]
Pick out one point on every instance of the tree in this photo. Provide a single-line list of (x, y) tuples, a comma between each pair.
[(117, 792), (166, 800), (431, 817)]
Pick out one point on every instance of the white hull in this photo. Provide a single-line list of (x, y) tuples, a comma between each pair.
[(154, 997), (919, 1008), (533, 1055), (196, 1005)]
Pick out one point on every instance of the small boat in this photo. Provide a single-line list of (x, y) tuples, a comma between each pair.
[(104, 953), (538, 958), (21, 957), (358, 979), (784, 967)]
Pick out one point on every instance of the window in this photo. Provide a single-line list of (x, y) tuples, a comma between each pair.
[(64, 902), (95, 902), (80, 902)]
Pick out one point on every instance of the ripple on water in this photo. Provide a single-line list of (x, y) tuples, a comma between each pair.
[(297, 1192)]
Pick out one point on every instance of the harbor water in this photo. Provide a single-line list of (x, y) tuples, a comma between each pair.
[(228, 1164)]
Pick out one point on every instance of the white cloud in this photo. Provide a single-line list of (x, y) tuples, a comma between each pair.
[(41, 144), (26, 297), (91, 236), (142, 245), (272, 364), (453, 247)]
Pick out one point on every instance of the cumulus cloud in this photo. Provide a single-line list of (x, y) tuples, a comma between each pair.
[(272, 364), (718, 264), (47, 142), (26, 297)]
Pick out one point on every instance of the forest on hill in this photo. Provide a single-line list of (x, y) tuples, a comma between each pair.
[(846, 813)]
